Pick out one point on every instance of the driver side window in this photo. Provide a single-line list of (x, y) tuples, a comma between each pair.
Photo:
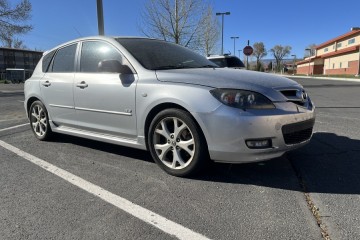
[(93, 52)]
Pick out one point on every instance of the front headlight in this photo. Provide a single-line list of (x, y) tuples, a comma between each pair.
[(242, 99)]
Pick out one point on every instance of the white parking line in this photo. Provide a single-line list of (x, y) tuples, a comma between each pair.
[(137, 211), (17, 126)]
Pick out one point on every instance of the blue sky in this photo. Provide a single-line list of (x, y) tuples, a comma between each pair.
[(294, 23)]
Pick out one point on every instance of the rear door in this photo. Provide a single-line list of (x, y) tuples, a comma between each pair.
[(57, 86)]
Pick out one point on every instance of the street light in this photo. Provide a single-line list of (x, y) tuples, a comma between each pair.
[(222, 29), (294, 63), (234, 43), (308, 49), (239, 53)]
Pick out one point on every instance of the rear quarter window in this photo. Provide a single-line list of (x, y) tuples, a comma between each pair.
[(47, 60)]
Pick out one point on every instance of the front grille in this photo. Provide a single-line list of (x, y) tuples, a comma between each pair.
[(297, 132), (292, 97)]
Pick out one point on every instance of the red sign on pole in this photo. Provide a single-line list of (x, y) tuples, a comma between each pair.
[(248, 50)]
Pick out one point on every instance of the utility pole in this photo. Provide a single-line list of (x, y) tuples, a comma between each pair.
[(308, 49), (100, 16), (294, 64)]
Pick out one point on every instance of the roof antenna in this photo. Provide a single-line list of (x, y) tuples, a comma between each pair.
[(77, 32)]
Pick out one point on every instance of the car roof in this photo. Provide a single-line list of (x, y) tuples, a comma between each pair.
[(220, 56), (98, 37)]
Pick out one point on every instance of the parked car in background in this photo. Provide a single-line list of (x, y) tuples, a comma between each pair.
[(158, 96), (226, 61)]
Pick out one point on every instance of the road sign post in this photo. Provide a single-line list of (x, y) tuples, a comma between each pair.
[(248, 50)]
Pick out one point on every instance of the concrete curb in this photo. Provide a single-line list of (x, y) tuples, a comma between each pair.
[(322, 78)]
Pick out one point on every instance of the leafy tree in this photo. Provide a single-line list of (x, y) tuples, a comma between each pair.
[(13, 21), (259, 53), (279, 52), (190, 23)]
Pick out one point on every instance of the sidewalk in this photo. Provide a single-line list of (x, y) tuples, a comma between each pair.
[(12, 87), (320, 77)]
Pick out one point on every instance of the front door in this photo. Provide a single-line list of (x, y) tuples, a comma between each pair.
[(104, 102)]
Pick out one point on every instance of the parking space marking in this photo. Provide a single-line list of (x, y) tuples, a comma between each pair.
[(17, 126), (137, 211)]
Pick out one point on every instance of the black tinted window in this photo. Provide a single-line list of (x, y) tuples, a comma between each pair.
[(94, 52), (160, 55), (64, 59), (220, 61), (46, 61), (232, 62)]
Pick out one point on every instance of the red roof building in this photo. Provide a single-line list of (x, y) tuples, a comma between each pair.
[(338, 56)]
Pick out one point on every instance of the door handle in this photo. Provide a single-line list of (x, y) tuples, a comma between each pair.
[(82, 84), (46, 84)]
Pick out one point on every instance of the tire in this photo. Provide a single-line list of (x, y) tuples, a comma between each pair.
[(176, 143), (39, 121)]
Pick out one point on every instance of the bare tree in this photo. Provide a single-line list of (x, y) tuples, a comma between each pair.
[(259, 52), (186, 22), (312, 48), (210, 33), (279, 52), (13, 21)]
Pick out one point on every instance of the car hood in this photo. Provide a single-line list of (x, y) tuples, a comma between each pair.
[(265, 83)]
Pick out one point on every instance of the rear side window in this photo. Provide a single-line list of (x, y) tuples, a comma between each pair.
[(47, 60), (234, 62), (220, 62), (231, 62), (64, 60), (93, 52)]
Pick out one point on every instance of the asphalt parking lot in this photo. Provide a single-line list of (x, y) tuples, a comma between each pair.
[(72, 188)]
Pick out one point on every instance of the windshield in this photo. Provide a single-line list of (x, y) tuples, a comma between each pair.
[(160, 55)]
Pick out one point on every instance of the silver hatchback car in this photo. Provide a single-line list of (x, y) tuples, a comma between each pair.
[(154, 95)]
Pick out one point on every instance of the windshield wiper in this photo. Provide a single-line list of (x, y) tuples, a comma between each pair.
[(209, 66), (169, 67)]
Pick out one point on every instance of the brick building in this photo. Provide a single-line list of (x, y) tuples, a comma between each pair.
[(11, 58), (338, 56)]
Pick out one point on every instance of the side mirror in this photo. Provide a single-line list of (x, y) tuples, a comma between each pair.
[(113, 66)]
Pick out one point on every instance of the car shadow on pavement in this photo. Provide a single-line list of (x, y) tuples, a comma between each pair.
[(104, 147), (328, 164)]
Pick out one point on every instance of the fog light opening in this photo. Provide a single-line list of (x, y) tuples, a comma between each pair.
[(259, 143)]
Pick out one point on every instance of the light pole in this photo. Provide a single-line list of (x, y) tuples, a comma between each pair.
[(308, 49), (100, 16), (222, 29), (239, 53), (234, 43), (358, 74), (294, 63)]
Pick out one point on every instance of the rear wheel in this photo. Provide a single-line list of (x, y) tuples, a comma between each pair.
[(176, 143), (39, 121)]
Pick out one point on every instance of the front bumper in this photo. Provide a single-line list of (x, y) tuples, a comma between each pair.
[(227, 129)]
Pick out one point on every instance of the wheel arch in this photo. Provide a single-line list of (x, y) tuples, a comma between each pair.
[(29, 102), (163, 106)]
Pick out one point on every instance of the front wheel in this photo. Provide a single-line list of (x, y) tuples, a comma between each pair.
[(176, 143), (39, 121)]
